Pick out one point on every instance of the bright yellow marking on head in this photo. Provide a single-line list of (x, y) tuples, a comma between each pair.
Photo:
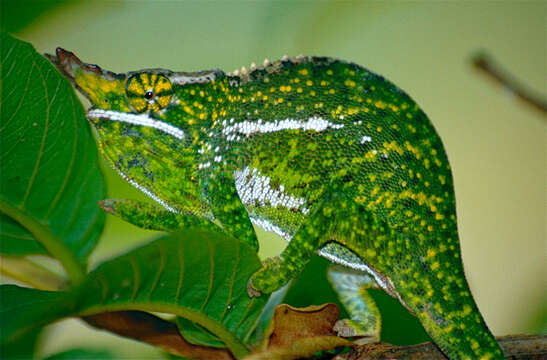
[(163, 101), (139, 104), (135, 87)]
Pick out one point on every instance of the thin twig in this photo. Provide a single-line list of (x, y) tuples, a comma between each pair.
[(484, 62)]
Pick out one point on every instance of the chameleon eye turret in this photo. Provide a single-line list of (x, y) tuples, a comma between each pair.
[(148, 91)]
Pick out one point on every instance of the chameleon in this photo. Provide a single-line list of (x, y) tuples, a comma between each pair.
[(323, 152)]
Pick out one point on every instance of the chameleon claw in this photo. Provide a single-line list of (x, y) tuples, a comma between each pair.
[(251, 291)]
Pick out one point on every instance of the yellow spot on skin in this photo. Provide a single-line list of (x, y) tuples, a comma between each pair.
[(380, 104), (466, 310), (349, 83)]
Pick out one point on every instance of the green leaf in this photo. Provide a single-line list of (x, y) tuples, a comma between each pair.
[(23, 347), (197, 335), (201, 276), (50, 180), (23, 310)]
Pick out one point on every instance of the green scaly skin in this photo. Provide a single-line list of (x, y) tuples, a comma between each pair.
[(316, 149)]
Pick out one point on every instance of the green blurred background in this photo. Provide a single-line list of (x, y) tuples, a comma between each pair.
[(496, 143)]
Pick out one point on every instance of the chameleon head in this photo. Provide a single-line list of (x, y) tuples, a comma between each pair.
[(138, 92), (139, 130)]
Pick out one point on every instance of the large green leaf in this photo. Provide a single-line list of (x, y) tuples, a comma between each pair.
[(50, 180), (22, 310), (200, 276)]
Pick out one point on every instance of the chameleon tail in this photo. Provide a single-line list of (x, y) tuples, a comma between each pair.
[(447, 311)]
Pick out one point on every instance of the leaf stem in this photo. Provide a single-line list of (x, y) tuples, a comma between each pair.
[(75, 271), (30, 273)]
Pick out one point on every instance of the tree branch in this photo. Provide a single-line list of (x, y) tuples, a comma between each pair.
[(484, 63), (514, 347)]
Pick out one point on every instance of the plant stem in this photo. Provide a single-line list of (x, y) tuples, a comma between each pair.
[(30, 273), (48, 239)]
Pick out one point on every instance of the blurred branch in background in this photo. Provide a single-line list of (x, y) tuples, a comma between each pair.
[(17, 14), (485, 63)]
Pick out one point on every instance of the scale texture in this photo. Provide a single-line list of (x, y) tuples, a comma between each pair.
[(323, 152)]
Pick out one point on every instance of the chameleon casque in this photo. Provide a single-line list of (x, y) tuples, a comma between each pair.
[(323, 152)]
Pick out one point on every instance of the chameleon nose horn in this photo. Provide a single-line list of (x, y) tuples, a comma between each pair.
[(69, 64)]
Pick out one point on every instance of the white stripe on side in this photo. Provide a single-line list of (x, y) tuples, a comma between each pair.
[(261, 127), (253, 187), (134, 119)]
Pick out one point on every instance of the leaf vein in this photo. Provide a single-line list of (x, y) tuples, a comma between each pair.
[(211, 273), (159, 272), (181, 272)]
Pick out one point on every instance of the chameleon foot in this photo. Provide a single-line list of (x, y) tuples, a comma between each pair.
[(251, 291)]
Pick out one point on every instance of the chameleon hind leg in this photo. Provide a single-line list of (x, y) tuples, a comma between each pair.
[(278, 270), (352, 289)]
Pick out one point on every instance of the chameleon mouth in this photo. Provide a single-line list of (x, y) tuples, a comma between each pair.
[(135, 119)]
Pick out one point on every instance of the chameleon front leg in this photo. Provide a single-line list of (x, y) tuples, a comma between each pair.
[(153, 217), (228, 209)]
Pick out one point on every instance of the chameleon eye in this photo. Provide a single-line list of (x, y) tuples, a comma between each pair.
[(148, 92)]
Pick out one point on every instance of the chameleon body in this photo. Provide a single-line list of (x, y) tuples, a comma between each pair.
[(323, 152)]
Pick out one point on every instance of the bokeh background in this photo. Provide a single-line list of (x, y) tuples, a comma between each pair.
[(496, 143)]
